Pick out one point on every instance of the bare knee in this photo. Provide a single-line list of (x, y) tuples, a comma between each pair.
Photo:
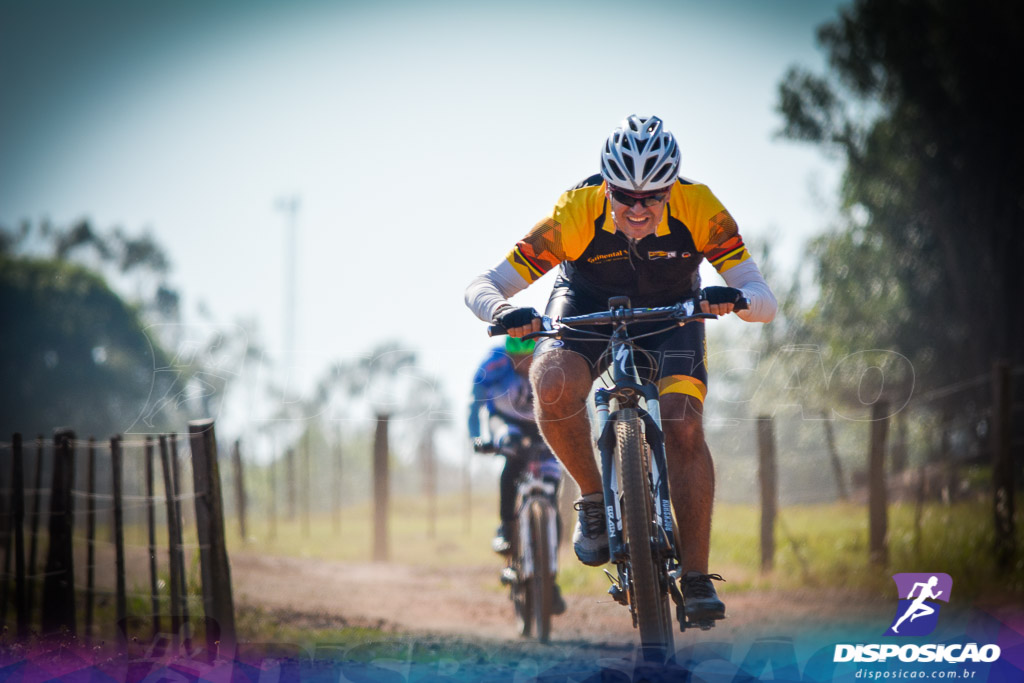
[(683, 421), (561, 380)]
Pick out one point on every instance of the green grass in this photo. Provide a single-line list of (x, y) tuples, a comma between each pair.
[(827, 545), (456, 540), (816, 545)]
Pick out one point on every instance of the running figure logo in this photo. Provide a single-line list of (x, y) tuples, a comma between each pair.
[(915, 616)]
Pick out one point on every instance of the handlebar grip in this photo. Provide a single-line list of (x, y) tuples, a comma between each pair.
[(496, 331)]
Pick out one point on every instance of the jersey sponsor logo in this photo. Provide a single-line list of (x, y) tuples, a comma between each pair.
[(655, 255), (619, 255)]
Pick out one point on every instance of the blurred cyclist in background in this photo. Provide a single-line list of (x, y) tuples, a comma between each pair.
[(501, 387)]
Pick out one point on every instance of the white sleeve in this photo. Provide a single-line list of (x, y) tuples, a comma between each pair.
[(747, 277), (492, 288)]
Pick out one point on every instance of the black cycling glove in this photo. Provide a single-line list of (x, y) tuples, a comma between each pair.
[(721, 295), (512, 317)]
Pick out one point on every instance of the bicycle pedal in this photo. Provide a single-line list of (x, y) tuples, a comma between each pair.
[(702, 624)]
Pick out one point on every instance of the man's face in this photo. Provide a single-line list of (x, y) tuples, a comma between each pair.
[(636, 214)]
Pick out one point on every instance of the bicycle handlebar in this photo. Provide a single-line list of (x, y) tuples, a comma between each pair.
[(682, 312)]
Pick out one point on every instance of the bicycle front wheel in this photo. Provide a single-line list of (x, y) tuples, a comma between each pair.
[(542, 582), (648, 597)]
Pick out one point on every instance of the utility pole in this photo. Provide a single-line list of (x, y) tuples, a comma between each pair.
[(290, 207)]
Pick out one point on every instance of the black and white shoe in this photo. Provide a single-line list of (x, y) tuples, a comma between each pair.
[(700, 599), (590, 539), (501, 543)]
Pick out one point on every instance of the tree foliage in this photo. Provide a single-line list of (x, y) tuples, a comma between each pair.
[(916, 104), (72, 353)]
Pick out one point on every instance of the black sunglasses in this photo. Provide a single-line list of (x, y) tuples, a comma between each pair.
[(647, 200)]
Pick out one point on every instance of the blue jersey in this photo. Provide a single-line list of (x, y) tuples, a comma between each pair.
[(502, 391)]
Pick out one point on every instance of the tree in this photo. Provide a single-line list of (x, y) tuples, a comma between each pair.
[(915, 102), (73, 354)]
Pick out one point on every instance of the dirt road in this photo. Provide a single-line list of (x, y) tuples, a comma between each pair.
[(467, 602)]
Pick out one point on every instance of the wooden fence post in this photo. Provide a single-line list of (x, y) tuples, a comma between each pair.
[(59, 583), (18, 519), (833, 453), (218, 602), (173, 533), (768, 478), (336, 487), (306, 482), (117, 472), (429, 469), (37, 499), (90, 535), (272, 510), (180, 544), (154, 593), (236, 459), (289, 462), (899, 442), (380, 490), (878, 495), (6, 530), (1002, 466)]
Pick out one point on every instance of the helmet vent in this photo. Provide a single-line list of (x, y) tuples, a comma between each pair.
[(630, 167), (649, 166)]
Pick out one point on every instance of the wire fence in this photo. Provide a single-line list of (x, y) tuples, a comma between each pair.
[(977, 430), (135, 492)]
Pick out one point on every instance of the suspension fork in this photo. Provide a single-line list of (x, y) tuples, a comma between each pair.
[(655, 435), (609, 478)]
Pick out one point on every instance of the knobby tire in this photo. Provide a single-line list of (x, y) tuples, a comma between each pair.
[(650, 604), (542, 583), (522, 596)]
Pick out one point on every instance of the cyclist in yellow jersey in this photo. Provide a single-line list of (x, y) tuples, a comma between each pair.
[(636, 229)]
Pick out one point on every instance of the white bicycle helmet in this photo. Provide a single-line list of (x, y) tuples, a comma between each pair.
[(640, 155)]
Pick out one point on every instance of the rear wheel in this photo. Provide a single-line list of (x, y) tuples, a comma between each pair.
[(650, 600), (522, 596), (541, 583)]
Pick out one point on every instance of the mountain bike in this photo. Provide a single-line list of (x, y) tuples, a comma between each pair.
[(641, 535), (533, 558)]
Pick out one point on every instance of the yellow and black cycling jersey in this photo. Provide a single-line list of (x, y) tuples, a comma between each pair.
[(599, 261)]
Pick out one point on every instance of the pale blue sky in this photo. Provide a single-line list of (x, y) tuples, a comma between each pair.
[(424, 140)]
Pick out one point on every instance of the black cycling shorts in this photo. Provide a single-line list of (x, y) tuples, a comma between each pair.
[(676, 356)]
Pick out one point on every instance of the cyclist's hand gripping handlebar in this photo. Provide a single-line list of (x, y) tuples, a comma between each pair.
[(725, 295), (483, 446)]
